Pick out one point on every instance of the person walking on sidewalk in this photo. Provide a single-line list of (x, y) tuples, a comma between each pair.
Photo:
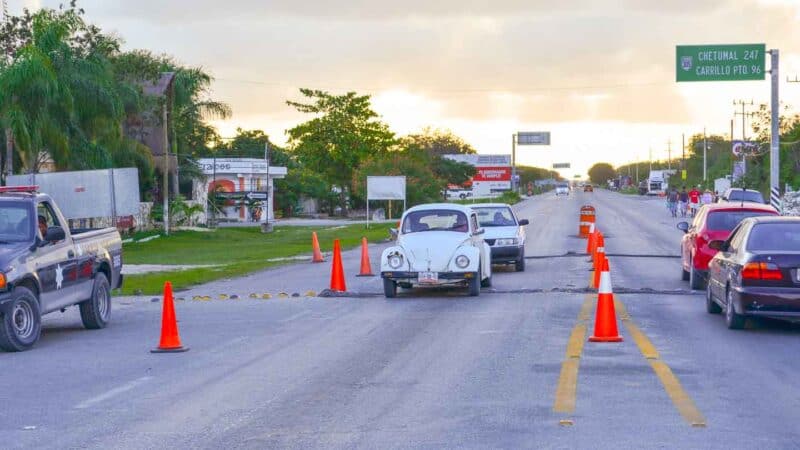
[(672, 202), (694, 200), (683, 201)]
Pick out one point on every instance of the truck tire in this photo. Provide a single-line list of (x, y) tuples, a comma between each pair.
[(96, 311), (519, 265), (21, 327)]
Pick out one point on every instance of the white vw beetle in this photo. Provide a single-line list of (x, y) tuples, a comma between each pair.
[(437, 244)]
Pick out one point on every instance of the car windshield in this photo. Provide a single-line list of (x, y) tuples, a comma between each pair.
[(747, 196), (774, 237), (500, 216), (727, 220), (435, 220), (15, 222)]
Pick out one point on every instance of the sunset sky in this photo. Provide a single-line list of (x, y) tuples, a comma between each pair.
[(598, 74)]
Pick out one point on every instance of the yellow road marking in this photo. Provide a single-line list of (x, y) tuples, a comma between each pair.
[(591, 279), (680, 398), (568, 379), (567, 387), (683, 403), (642, 341)]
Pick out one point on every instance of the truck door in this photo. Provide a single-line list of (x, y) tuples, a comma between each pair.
[(55, 265)]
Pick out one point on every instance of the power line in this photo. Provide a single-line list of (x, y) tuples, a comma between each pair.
[(458, 91)]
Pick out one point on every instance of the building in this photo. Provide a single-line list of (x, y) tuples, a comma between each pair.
[(241, 185)]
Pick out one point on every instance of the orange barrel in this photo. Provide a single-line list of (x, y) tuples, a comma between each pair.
[(587, 219)]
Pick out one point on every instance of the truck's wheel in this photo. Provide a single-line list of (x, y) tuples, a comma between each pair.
[(96, 311), (519, 265), (21, 327)]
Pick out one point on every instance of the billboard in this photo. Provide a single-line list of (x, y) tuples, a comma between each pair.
[(493, 173), (386, 188)]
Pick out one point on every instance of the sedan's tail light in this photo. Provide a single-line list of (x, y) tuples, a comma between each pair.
[(761, 271)]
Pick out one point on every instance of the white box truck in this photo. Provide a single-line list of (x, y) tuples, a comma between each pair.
[(658, 181)]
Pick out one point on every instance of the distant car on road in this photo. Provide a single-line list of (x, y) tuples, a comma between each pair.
[(756, 271), (438, 244), (505, 233), (739, 195), (712, 222), (459, 194), (47, 267), (562, 189), (588, 188)]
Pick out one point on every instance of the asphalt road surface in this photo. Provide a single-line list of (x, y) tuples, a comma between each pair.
[(431, 369)]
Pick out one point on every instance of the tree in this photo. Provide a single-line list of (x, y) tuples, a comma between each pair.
[(344, 133), (437, 142), (600, 173)]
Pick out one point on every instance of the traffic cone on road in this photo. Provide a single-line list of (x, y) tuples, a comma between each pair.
[(592, 237), (337, 271), (170, 340), (595, 244), (598, 271), (366, 270), (317, 258), (605, 322)]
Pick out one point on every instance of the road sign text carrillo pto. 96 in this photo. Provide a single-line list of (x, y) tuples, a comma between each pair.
[(738, 62)]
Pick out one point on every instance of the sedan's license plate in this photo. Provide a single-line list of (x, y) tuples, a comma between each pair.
[(428, 277)]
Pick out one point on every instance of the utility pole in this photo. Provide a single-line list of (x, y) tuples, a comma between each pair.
[(744, 115), (650, 157), (514, 162), (669, 154), (265, 225), (705, 155), (774, 153), (683, 151)]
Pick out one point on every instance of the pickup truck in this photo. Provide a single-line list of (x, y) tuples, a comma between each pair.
[(46, 267)]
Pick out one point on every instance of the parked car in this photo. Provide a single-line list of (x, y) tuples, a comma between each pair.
[(437, 244), (458, 194), (757, 271), (562, 189), (47, 267), (505, 233), (588, 188), (712, 222), (741, 195)]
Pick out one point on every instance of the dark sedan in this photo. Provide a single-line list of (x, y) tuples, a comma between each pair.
[(756, 272)]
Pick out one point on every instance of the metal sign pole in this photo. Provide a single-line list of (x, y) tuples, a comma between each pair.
[(514, 162), (774, 160)]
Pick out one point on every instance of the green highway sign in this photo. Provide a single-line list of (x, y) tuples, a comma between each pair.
[(720, 62)]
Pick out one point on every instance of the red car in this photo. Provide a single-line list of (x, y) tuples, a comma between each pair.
[(713, 223)]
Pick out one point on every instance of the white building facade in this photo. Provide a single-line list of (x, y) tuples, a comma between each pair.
[(242, 182)]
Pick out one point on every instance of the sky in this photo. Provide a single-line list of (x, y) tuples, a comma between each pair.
[(598, 75)]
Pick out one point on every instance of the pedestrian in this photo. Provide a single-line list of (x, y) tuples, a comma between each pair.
[(672, 201), (683, 201), (707, 197), (694, 200)]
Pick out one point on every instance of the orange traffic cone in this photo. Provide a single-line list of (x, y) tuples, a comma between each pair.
[(600, 257), (366, 270), (590, 241), (605, 322), (317, 258), (170, 340), (337, 272)]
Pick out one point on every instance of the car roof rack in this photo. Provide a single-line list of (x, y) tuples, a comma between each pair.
[(17, 189)]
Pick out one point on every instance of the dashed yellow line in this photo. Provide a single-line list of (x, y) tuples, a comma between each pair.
[(680, 398), (566, 391)]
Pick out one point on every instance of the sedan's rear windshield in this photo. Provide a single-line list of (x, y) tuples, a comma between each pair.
[(500, 216), (747, 196), (774, 237), (435, 220), (727, 220)]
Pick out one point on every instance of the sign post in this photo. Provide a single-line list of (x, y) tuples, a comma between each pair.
[(738, 62), (525, 138)]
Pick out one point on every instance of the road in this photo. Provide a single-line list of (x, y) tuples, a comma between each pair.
[(508, 369)]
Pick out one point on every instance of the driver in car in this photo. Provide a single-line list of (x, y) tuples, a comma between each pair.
[(42, 226)]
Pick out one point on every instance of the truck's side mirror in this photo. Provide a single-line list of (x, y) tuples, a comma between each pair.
[(524, 222), (55, 234), (683, 226)]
